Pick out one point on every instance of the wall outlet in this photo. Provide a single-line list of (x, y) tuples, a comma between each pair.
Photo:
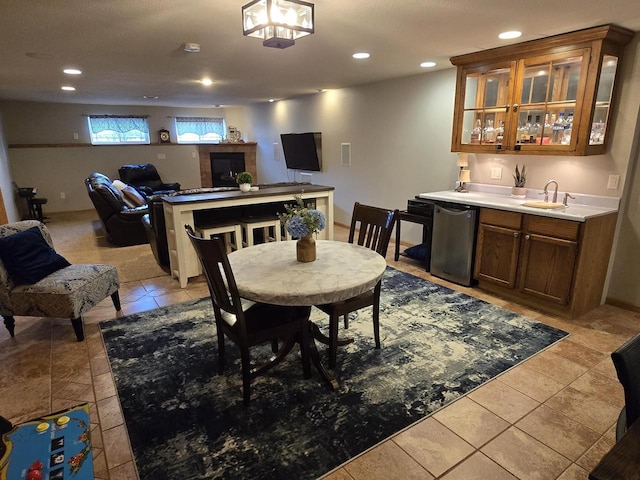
[(63, 195), (613, 182), (193, 155), (496, 173), (162, 156), (75, 135)]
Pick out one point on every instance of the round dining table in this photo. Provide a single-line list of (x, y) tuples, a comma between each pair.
[(270, 273)]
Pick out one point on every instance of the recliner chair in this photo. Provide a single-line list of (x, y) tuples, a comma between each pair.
[(122, 224), (146, 179)]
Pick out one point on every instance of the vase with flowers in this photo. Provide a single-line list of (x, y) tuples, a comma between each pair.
[(302, 222)]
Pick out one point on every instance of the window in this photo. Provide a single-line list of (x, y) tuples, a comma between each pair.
[(118, 130), (200, 129)]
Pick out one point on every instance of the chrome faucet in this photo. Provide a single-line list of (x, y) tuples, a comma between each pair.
[(546, 191)]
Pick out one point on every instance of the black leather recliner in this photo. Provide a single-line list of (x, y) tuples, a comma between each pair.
[(146, 179), (122, 224)]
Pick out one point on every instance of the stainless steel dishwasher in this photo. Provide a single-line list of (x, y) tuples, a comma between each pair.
[(453, 242)]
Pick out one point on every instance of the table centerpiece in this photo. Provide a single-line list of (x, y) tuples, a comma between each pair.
[(301, 222)]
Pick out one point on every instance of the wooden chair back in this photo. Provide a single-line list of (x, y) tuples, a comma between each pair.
[(215, 263), (374, 226)]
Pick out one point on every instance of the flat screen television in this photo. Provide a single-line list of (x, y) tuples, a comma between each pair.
[(302, 151)]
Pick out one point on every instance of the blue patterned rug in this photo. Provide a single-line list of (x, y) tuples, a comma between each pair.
[(187, 422)]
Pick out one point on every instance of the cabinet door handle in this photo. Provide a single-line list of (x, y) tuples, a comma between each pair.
[(515, 234), (526, 237), (515, 107), (506, 108)]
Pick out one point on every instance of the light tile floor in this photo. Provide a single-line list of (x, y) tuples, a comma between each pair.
[(552, 417)]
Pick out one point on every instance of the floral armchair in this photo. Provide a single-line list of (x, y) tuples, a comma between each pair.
[(67, 292)]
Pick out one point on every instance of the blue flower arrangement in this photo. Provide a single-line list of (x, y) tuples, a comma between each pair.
[(300, 220)]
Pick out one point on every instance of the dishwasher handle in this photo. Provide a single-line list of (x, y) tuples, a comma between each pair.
[(449, 211)]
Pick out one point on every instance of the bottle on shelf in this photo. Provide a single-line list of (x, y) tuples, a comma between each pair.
[(523, 131), (489, 133), (558, 128), (546, 129), (477, 132), (500, 132), (566, 134), (536, 130)]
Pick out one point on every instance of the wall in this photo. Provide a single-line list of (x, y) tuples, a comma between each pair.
[(400, 135), (59, 170)]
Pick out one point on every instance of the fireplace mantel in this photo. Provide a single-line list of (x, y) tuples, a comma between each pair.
[(248, 148)]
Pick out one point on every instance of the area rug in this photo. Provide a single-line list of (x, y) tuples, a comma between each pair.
[(186, 422)]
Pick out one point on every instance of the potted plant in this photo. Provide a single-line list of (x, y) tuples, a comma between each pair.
[(244, 179), (520, 179)]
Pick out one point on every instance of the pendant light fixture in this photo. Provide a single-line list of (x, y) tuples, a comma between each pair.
[(278, 22)]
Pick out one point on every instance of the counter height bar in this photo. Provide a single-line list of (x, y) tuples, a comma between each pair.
[(178, 211)]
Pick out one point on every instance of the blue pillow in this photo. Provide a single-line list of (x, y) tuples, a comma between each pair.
[(28, 257)]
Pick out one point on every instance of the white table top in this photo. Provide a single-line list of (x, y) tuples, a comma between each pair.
[(270, 273)]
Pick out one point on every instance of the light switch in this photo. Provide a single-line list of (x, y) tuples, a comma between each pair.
[(162, 156), (496, 173), (613, 182)]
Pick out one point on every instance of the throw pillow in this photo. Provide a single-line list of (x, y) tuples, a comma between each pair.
[(119, 184), (28, 257), (132, 197)]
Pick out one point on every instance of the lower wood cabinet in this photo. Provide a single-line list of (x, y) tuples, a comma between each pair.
[(555, 265)]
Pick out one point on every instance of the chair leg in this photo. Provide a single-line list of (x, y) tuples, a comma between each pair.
[(220, 352), (376, 316), (274, 345), (346, 321), (78, 328), (333, 340), (246, 376), (10, 323), (115, 298)]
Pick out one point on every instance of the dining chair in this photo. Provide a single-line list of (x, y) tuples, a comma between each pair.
[(373, 227), (626, 359), (248, 323)]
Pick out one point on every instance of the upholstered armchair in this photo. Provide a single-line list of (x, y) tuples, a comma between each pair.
[(146, 179), (36, 281)]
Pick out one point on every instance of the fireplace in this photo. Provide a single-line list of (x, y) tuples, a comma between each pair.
[(221, 160), (224, 168)]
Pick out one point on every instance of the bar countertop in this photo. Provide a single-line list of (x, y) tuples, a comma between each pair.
[(490, 196)]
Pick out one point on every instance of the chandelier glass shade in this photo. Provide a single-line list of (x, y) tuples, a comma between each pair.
[(279, 23)]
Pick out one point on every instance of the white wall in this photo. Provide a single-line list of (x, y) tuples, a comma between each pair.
[(400, 135)]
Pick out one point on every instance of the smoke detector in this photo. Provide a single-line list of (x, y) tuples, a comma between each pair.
[(192, 47)]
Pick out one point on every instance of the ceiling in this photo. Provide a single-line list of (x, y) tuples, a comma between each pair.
[(128, 49)]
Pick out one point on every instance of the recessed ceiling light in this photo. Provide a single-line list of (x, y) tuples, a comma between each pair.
[(72, 71), (271, 100), (67, 88), (428, 64), (206, 82), (509, 35), (150, 97), (361, 55)]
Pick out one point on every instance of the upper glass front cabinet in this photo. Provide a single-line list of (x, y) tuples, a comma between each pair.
[(551, 103)]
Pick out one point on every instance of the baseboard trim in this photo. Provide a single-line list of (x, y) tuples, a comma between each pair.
[(621, 304)]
